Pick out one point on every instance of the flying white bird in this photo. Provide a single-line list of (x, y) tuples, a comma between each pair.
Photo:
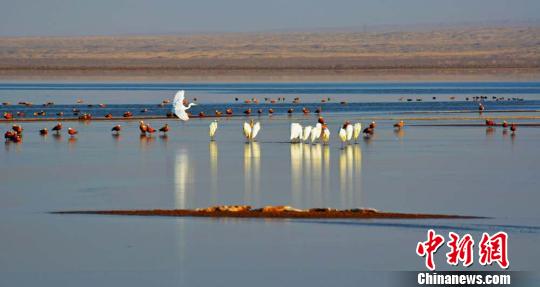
[(325, 135), (342, 136), (307, 132), (178, 106), (251, 130), (296, 133), (213, 128), (316, 132), (357, 131)]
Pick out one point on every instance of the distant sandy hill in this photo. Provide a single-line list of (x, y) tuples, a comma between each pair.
[(515, 48)]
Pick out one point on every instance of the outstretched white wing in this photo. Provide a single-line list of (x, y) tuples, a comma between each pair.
[(307, 132), (296, 131), (178, 106), (256, 129), (178, 98), (247, 130)]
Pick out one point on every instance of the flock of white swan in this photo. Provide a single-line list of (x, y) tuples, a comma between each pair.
[(299, 134)]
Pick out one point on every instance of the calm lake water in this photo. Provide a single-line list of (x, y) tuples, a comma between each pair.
[(450, 170)]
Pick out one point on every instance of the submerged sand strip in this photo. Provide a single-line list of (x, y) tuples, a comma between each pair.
[(330, 214)]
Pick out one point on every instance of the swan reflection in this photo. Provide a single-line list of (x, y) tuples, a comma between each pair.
[(182, 177), (213, 152), (252, 172), (350, 175), (310, 174)]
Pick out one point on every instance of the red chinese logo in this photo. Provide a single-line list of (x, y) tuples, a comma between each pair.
[(491, 249), (494, 249), (460, 249), (429, 247)]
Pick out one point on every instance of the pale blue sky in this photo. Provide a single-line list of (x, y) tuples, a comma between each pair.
[(98, 17)]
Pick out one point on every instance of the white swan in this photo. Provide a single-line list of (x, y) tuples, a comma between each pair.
[(316, 132), (251, 130), (178, 106), (350, 131), (325, 137), (307, 133), (213, 129), (357, 131), (342, 136), (296, 133)]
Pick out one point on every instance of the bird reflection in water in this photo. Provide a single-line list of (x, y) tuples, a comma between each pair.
[(145, 142), (252, 173), (182, 177), (57, 137), (310, 174), (72, 141), (213, 152), (400, 133), (164, 139), (350, 176), (489, 131)]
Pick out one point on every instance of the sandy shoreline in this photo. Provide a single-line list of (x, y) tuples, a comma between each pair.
[(453, 54), (269, 75)]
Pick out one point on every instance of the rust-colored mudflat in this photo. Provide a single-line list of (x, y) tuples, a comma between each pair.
[(358, 214)]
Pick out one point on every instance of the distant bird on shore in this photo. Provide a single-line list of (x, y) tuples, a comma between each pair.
[(128, 114), (305, 110), (247, 112), (399, 125), (270, 111), (481, 107), (490, 123), (164, 129), (218, 113), (44, 131), (108, 116), (290, 111), (57, 128), (212, 130), (72, 132), (9, 135), (251, 130), (17, 128), (143, 128), (8, 116), (368, 132), (513, 128), (116, 129), (178, 106), (150, 130), (229, 112), (505, 124)]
